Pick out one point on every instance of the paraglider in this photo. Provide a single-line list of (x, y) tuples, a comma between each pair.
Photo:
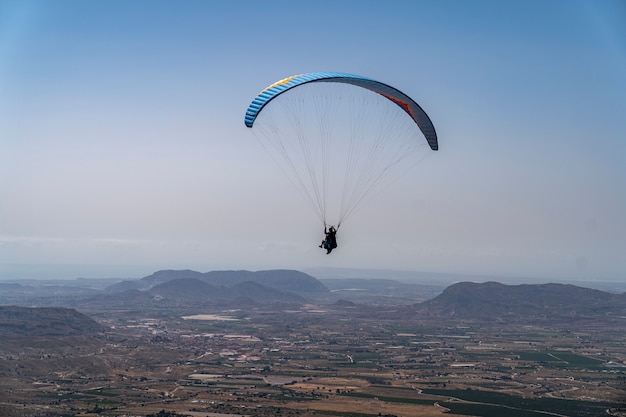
[(330, 241), (340, 139)]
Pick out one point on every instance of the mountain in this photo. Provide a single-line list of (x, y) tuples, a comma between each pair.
[(493, 300), (191, 290), (45, 321), (194, 291), (188, 289), (281, 280), (156, 278)]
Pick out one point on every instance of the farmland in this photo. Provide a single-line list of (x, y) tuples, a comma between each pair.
[(159, 352), (322, 360)]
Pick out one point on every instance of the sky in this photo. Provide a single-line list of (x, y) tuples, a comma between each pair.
[(123, 149)]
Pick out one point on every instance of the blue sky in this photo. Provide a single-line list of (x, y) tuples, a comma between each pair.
[(123, 148)]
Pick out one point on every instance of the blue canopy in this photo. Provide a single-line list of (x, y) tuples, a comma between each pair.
[(405, 102)]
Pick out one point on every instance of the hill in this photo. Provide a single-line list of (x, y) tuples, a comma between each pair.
[(493, 300), (45, 321)]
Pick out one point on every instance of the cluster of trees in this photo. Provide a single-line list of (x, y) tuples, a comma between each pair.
[(164, 413)]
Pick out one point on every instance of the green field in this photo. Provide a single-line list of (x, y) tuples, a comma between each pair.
[(487, 410), (391, 399), (560, 359), (508, 404)]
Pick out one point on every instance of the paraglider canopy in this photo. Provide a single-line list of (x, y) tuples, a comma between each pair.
[(405, 102), (340, 138)]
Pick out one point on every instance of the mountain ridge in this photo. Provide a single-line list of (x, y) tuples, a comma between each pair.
[(279, 279), (493, 300)]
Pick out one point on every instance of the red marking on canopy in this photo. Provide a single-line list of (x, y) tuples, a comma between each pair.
[(400, 103)]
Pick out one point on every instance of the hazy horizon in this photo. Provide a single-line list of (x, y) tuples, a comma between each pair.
[(16, 273)]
